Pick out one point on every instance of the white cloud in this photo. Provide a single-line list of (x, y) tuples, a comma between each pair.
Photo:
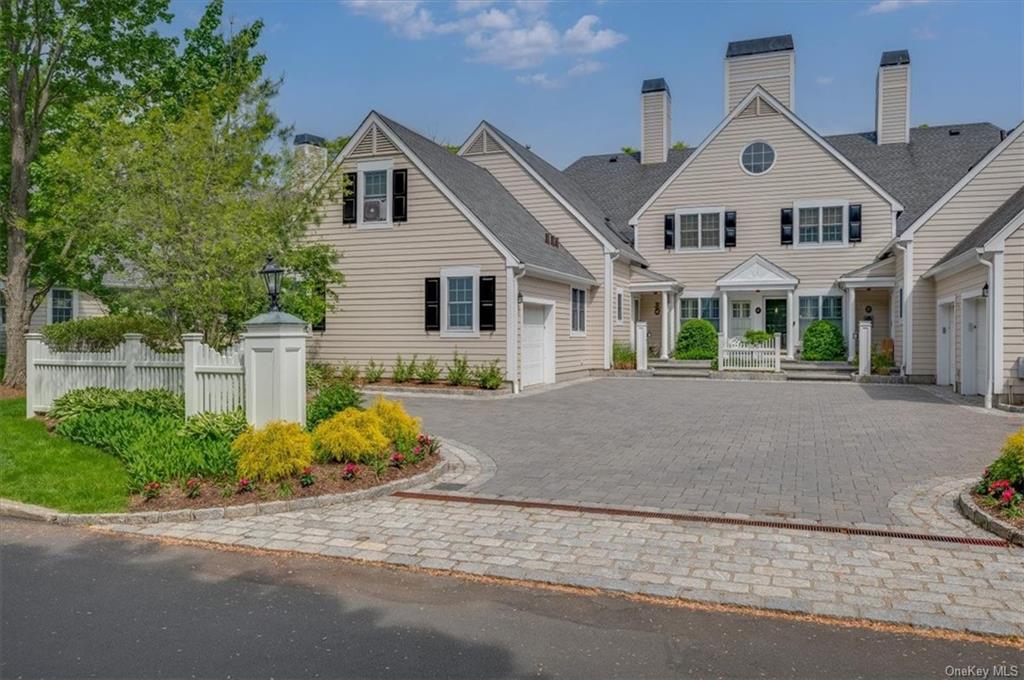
[(886, 6), (825, 80), (515, 36), (539, 79), (585, 68), (583, 39), (925, 33)]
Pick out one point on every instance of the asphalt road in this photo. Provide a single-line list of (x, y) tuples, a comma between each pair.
[(79, 604)]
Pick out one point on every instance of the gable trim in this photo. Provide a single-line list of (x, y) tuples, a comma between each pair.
[(484, 126), (373, 119), (998, 242), (783, 279), (997, 150), (759, 91)]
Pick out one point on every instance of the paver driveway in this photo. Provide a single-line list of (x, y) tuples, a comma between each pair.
[(827, 452)]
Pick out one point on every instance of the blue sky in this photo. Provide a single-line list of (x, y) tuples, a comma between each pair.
[(565, 77)]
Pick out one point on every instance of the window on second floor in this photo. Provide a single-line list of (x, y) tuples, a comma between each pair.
[(699, 229), (821, 224)]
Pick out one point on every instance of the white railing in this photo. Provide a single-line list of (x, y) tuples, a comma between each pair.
[(210, 380), (736, 354)]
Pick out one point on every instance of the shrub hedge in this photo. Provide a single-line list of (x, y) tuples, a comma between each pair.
[(273, 452), (91, 399), (697, 339), (332, 399), (757, 337), (823, 341), (103, 333), (351, 436), (623, 356)]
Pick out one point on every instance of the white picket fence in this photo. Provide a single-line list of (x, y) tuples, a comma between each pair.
[(210, 380), (736, 354)]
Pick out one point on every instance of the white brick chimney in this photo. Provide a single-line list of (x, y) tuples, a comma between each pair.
[(655, 121), (892, 98)]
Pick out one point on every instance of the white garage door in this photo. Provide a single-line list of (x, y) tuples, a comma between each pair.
[(534, 343)]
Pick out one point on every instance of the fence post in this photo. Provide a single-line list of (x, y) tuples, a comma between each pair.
[(864, 348), (190, 342), (721, 351), (640, 345), (275, 369), (778, 352), (32, 343), (132, 352)]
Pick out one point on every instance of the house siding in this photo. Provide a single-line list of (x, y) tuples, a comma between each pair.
[(956, 286), (976, 201), (380, 308), (770, 71), (570, 232), (892, 102), (571, 352), (656, 126), (86, 307), (622, 330), (1013, 317)]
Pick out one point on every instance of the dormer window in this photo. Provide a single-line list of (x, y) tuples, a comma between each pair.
[(757, 158)]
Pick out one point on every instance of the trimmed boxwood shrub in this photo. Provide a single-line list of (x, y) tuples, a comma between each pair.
[(330, 400), (697, 339), (823, 341), (104, 333), (757, 337)]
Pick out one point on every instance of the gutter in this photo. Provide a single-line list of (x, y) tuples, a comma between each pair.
[(551, 274), (907, 321), (609, 285), (512, 343)]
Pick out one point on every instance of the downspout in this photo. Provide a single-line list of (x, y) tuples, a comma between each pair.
[(990, 327), (513, 330), (903, 303), (609, 295)]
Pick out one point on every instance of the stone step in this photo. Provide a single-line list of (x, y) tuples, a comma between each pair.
[(681, 372), (678, 363), (817, 366), (819, 376)]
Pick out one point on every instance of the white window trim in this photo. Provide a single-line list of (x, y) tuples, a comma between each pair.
[(698, 211), (700, 307), (572, 302), (620, 307), (454, 272), (819, 204), (775, 158), (370, 166), (49, 304)]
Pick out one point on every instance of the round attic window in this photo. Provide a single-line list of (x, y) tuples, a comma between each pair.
[(758, 158)]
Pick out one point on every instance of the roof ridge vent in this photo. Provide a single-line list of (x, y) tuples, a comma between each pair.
[(954, 132)]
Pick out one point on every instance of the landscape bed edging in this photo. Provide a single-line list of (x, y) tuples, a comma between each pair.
[(986, 521), (11, 508)]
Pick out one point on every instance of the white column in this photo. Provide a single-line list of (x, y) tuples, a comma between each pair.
[(664, 324), (275, 369), (864, 350), (641, 345), (792, 325), (132, 352), (851, 321), (190, 343), (33, 341), (723, 314), (673, 327)]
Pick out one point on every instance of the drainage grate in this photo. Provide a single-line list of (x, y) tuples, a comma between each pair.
[(682, 517), (448, 486)]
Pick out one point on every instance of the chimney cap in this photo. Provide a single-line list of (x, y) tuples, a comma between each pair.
[(895, 58), (775, 43), (306, 138), (654, 85)]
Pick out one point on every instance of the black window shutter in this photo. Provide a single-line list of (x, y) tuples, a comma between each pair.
[(399, 195), (730, 230), (670, 232), (348, 209), (487, 303), (432, 304), (786, 226), (854, 221), (321, 323)]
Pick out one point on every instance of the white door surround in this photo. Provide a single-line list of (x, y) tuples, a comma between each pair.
[(945, 343), (538, 329), (974, 345)]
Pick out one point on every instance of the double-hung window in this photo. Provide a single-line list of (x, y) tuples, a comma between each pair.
[(375, 193), (821, 224), (699, 229), (459, 295), (579, 312), (62, 305), (689, 308), (699, 308), (820, 307), (709, 310), (620, 305)]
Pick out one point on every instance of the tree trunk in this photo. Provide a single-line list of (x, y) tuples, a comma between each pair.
[(18, 302)]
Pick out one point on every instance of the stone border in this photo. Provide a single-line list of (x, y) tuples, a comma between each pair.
[(976, 514), (410, 390), (880, 379), (9, 508)]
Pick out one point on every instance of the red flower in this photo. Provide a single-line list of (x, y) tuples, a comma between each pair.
[(1007, 496)]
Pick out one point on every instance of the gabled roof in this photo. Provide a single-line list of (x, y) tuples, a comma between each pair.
[(482, 199), (754, 93), (920, 172), (1012, 208), (757, 272), (568, 191)]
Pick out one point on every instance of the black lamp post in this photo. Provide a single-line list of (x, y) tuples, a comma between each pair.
[(272, 275)]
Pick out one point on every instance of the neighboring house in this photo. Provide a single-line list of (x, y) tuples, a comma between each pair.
[(61, 304), (765, 225)]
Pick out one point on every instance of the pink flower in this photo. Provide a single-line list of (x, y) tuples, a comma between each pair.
[(1007, 496)]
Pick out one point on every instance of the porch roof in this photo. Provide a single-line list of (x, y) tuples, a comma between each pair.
[(644, 280), (880, 273), (757, 273)]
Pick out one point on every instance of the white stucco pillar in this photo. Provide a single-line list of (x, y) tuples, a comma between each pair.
[(723, 315), (275, 369), (851, 322), (792, 325), (664, 324)]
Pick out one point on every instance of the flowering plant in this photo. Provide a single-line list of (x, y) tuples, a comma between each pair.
[(244, 485), (430, 445), (350, 472), (307, 477), (192, 487), (397, 459), (151, 490)]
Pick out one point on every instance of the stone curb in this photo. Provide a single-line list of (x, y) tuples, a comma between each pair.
[(437, 391), (973, 512), (10, 508), (880, 379)]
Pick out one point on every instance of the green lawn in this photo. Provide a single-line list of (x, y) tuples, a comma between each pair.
[(39, 468)]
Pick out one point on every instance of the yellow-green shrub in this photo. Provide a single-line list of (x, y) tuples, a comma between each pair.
[(277, 450), (351, 436), (396, 424)]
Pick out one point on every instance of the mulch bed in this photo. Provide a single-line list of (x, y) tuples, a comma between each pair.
[(328, 481), (988, 504), (10, 393)]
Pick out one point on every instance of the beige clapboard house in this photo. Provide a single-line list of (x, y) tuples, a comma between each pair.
[(495, 253)]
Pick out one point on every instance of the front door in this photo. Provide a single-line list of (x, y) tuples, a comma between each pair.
[(775, 318)]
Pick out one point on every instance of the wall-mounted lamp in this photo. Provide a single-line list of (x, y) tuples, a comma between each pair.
[(984, 290)]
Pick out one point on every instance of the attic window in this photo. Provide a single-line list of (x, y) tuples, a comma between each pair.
[(613, 159), (758, 158)]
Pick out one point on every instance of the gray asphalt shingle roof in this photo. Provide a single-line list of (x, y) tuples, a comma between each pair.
[(491, 203), (916, 174), (984, 232), (617, 233)]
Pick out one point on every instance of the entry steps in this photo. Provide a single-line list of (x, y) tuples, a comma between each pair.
[(791, 370)]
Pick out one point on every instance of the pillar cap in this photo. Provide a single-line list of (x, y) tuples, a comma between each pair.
[(275, 319)]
